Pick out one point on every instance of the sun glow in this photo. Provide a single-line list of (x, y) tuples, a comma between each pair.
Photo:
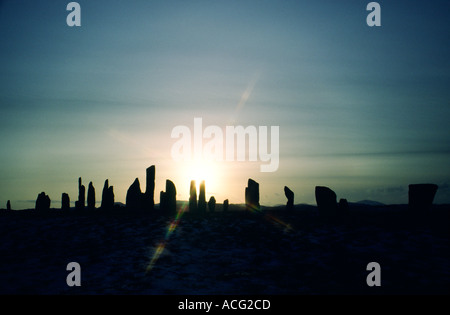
[(202, 170)]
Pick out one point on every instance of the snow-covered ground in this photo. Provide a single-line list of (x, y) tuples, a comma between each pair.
[(273, 252)]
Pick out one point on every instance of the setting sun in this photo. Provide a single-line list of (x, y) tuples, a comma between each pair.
[(202, 170)]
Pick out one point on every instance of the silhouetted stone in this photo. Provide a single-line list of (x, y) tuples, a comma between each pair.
[(43, 202), (252, 195), (421, 196), (110, 195), (8, 205), (162, 201), (212, 204), (193, 197), (91, 197), (148, 198), (326, 201), (202, 198), (80, 203), (168, 202), (104, 194), (225, 205), (107, 197), (134, 196), (65, 202), (290, 197), (343, 206)]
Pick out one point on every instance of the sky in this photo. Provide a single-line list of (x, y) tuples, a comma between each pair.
[(362, 110)]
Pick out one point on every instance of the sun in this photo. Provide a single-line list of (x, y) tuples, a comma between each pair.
[(202, 170)]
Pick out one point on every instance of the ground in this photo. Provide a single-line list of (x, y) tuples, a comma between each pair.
[(269, 252)]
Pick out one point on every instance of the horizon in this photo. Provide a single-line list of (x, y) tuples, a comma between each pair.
[(367, 202), (362, 110)]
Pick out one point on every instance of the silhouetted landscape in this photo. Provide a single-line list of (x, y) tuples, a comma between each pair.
[(225, 147), (209, 247)]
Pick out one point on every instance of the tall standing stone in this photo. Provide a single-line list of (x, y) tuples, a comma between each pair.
[(80, 203), (326, 201), (134, 196), (212, 204), (290, 198), (168, 201), (104, 195), (225, 205), (107, 197), (43, 202), (162, 201), (202, 198), (252, 196), (65, 202), (421, 196), (91, 197), (110, 195), (149, 195), (8, 205), (193, 197)]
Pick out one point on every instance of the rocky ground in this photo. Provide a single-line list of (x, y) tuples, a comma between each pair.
[(270, 252)]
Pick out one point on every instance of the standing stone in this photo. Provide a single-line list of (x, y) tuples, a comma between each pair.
[(43, 202), (193, 197), (107, 197), (149, 195), (134, 196), (104, 195), (202, 198), (290, 197), (65, 202), (326, 201), (212, 204), (91, 197), (162, 201), (110, 198), (168, 202), (421, 196), (80, 203), (225, 205), (8, 205), (171, 197), (252, 196)]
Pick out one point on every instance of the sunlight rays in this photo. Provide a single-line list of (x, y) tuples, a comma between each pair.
[(162, 245), (246, 95), (287, 227), (271, 218)]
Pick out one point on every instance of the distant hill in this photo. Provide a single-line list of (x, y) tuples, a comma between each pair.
[(370, 203)]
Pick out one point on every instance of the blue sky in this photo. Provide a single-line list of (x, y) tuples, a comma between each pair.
[(363, 110)]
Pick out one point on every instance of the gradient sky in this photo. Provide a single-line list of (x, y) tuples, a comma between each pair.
[(363, 110)]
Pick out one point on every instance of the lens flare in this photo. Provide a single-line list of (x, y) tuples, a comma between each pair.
[(159, 250), (176, 221), (287, 226), (256, 209), (162, 245)]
